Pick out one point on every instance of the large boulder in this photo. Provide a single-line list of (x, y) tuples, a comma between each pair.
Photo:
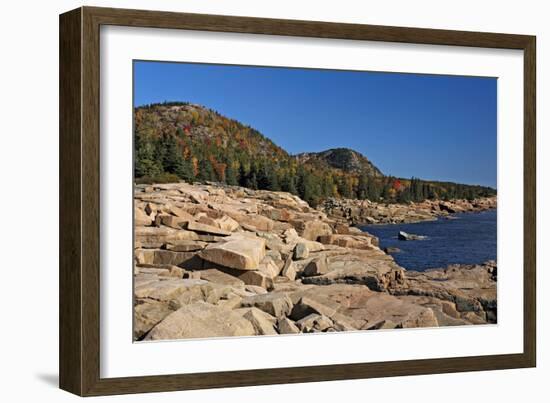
[(301, 251), (199, 320), (314, 302), (377, 272), (242, 253), (289, 270), (269, 267), (227, 223), (141, 218), (370, 309), (154, 237), (185, 246), (276, 304), (217, 276), (355, 306), (276, 214), (170, 257), (311, 229), (206, 228), (316, 267), (349, 241), (287, 326), (264, 323), (450, 207), (471, 288), (252, 222), (171, 221), (256, 278), (315, 323), (147, 314), (164, 289)]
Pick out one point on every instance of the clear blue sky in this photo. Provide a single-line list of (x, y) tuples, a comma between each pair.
[(427, 126)]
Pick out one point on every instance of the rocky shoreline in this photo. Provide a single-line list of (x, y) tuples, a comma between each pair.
[(363, 212), (217, 261)]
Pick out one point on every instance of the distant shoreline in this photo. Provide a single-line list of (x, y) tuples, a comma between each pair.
[(364, 212)]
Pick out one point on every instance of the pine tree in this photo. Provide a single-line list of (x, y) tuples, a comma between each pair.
[(243, 175), (231, 175), (373, 190), (272, 180), (363, 186), (206, 172), (252, 182), (173, 161), (288, 183), (145, 163)]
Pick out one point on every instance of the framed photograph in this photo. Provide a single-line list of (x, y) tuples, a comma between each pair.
[(250, 201)]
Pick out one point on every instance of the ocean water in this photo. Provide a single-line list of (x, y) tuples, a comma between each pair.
[(470, 238)]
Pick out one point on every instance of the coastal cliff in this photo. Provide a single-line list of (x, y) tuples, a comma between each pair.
[(217, 260)]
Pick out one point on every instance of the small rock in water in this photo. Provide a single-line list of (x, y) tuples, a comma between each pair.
[(404, 236), (450, 217), (391, 249)]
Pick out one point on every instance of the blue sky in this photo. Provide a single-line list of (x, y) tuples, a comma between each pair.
[(427, 126)]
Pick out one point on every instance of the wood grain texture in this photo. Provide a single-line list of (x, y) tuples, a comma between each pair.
[(80, 200), (530, 203), (70, 271), (90, 202)]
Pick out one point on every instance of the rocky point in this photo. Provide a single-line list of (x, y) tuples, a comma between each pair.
[(357, 212), (216, 261)]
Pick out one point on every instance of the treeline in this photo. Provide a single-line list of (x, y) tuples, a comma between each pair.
[(177, 141), (162, 160)]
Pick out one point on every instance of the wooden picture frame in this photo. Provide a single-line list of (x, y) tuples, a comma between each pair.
[(80, 199)]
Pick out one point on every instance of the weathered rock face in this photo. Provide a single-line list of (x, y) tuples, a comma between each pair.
[(351, 241), (466, 288), (241, 253), (277, 304), (311, 229), (358, 212), (377, 271), (218, 261), (201, 320)]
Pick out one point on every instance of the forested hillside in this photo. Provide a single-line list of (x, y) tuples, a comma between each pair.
[(181, 141)]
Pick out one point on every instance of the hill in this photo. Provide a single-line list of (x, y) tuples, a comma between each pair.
[(178, 140), (344, 159)]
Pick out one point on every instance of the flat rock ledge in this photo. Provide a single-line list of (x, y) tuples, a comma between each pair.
[(217, 261)]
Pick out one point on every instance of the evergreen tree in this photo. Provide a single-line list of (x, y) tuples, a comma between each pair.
[(206, 172), (344, 188), (272, 180), (363, 187), (243, 175), (288, 184), (145, 162), (168, 141), (173, 161), (251, 181), (404, 196), (262, 176), (231, 175)]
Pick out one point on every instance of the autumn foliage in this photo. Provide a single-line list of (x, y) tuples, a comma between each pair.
[(181, 141)]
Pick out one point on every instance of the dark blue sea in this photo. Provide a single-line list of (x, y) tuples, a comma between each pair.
[(470, 238)]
